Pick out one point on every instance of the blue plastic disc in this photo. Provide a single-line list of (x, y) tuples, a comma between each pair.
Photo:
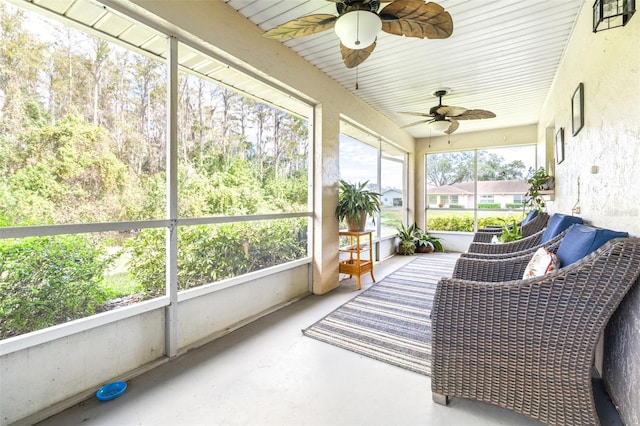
[(111, 391)]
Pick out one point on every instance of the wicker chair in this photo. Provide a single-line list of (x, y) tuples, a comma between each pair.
[(525, 246), (534, 225), (528, 345), (554, 226)]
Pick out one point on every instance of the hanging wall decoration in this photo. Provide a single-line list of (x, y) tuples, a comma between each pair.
[(560, 145), (577, 109)]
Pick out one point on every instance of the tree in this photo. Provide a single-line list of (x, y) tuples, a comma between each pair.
[(449, 168), (22, 57)]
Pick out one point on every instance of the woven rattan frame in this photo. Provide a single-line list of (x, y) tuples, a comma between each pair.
[(526, 245), (534, 225), (528, 345)]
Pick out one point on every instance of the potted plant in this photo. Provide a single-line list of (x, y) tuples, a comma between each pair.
[(355, 202), (426, 243), (407, 235), (510, 232), (538, 181)]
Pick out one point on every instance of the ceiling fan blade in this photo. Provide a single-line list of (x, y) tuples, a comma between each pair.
[(450, 111), (419, 114), (475, 114), (452, 127), (302, 27), (354, 57), (415, 18), (416, 123)]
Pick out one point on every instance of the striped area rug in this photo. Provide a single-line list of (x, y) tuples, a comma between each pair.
[(391, 321)]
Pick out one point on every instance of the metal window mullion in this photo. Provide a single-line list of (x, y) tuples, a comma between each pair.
[(475, 190), (171, 312)]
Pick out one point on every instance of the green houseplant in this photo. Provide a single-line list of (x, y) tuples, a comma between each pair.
[(510, 232), (538, 181), (408, 236), (355, 202), (426, 243)]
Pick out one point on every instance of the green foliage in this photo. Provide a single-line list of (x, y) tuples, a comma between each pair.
[(459, 223), (510, 232), (425, 239), (537, 180), (208, 254), (489, 206), (408, 236), (354, 198), (407, 233), (49, 280), (455, 167)]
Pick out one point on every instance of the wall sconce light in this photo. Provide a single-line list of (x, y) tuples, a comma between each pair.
[(609, 14)]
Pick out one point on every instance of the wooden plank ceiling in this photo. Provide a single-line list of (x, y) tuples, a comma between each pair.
[(501, 57)]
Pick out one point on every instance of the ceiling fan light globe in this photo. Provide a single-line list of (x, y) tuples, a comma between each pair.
[(440, 125), (358, 29)]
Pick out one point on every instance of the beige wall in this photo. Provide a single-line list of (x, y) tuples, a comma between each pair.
[(608, 64), (230, 33)]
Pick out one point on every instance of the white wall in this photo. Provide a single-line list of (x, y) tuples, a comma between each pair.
[(43, 379), (608, 63)]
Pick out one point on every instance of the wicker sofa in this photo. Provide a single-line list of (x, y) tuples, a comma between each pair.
[(528, 345), (529, 227)]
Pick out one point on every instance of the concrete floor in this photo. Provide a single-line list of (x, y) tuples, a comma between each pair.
[(268, 373)]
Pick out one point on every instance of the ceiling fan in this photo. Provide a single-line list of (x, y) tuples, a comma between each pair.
[(445, 118), (359, 22)]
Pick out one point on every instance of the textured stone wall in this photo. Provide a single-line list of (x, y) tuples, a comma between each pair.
[(601, 174), (622, 363)]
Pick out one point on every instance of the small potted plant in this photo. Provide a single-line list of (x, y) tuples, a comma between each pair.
[(407, 235), (355, 202), (426, 243), (538, 181), (510, 232)]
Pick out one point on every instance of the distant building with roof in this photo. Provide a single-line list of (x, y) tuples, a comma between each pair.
[(391, 198), (461, 195)]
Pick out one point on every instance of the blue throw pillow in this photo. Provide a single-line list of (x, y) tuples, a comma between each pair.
[(582, 240), (531, 215), (558, 223)]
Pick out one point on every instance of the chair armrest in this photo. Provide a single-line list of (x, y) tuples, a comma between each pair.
[(501, 248), (491, 270), (486, 236), (551, 245)]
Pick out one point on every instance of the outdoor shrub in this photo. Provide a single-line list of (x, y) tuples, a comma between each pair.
[(489, 206), (451, 223), (460, 223), (212, 253), (49, 280)]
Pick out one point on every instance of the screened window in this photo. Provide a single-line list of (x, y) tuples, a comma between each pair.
[(367, 158), (483, 186), (84, 143)]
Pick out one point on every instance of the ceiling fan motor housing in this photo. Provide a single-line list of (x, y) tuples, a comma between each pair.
[(349, 5)]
